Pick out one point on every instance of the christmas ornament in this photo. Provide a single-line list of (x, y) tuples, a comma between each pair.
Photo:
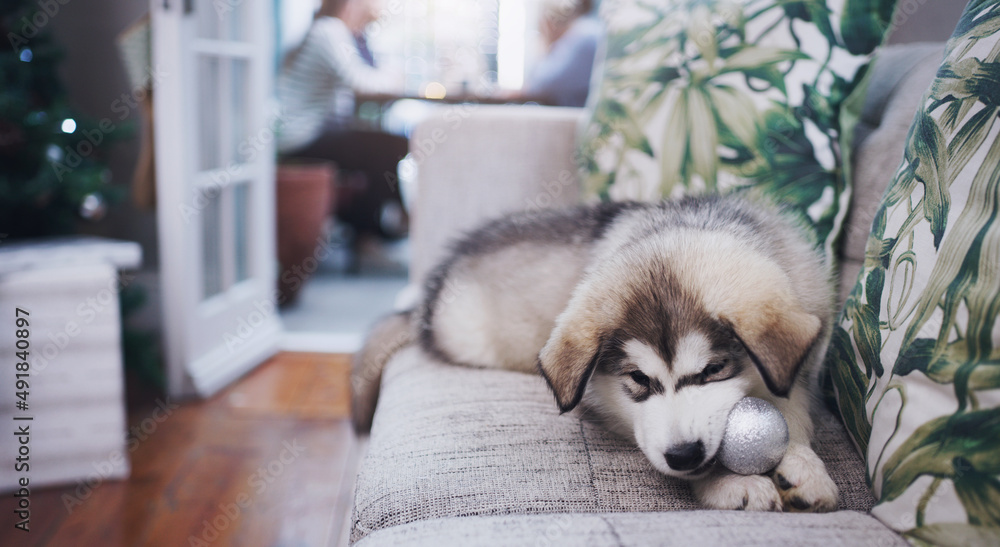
[(54, 153), (93, 207), (756, 437)]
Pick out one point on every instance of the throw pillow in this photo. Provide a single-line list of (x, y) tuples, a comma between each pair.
[(706, 95), (915, 360)]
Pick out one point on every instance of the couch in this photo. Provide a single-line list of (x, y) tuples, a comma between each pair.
[(483, 457)]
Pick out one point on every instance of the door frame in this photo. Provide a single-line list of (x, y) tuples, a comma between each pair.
[(209, 342)]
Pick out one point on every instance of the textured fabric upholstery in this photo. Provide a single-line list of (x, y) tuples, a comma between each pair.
[(450, 441), (715, 528)]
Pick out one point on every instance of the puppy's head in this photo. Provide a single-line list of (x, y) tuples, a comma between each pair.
[(668, 351)]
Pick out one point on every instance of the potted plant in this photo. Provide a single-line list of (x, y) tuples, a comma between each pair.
[(304, 198)]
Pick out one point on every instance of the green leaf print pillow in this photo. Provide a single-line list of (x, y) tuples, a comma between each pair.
[(915, 359), (705, 95)]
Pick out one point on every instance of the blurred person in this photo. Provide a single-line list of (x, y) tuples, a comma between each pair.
[(316, 89), (571, 34)]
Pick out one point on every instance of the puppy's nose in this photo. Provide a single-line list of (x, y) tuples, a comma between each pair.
[(685, 457)]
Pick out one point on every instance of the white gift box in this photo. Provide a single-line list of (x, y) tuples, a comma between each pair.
[(73, 404)]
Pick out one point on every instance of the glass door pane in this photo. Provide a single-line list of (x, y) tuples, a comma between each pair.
[(221, 19), (211, 229), (226, 155), (208, 108), (243, 149), (241, 204)]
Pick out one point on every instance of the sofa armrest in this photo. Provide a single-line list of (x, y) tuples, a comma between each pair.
[(479, 162)]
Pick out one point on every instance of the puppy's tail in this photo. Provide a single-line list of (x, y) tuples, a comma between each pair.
[(387, 337)]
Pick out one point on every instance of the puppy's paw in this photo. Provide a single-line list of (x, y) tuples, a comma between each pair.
[(803, 482), (738, 492)]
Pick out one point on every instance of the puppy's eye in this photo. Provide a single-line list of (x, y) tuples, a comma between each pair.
[(713, 368), (639, 378)]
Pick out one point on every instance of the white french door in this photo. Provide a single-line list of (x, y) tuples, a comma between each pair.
[(214, 141)]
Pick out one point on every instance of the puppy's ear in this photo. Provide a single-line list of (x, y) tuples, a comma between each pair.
[(569, 358), (778, 338)]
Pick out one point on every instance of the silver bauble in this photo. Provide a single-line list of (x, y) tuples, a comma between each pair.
[(756, 437), (93, 207)]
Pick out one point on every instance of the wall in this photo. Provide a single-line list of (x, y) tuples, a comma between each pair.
[(95, 78), (925, 20)]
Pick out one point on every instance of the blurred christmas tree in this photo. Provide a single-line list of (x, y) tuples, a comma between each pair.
[(52, 169)]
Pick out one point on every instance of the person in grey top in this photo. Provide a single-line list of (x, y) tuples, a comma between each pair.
[(572, 34)]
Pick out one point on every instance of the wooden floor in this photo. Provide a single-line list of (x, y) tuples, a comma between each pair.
[(268, 462)]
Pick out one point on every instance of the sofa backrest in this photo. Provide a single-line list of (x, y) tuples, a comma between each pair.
[(476, 163)]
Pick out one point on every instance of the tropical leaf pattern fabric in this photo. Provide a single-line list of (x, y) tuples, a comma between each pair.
[(712, 95), (915, 359)]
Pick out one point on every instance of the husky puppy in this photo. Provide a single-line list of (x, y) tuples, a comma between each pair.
[(658, 318)]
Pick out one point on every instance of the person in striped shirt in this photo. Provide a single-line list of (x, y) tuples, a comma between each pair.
[(316, 88)]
